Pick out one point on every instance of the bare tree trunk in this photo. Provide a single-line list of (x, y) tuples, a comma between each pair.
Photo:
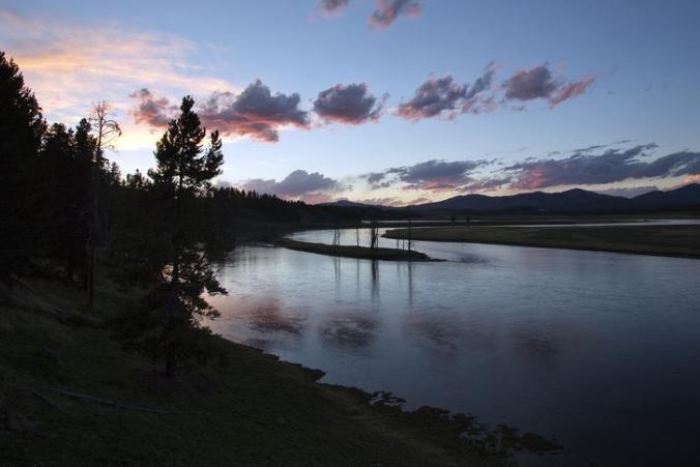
[(107, 131), (409, 234), (92, 236), (374, 235)]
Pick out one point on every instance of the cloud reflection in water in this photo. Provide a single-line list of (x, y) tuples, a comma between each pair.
[(350, 332)]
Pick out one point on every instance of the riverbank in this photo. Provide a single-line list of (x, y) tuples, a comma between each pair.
[(71, 395), (672, 240), (349, 251)]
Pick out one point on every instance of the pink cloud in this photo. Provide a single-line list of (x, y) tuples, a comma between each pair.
[(255, 112), (690, 179), (571, 90), (389, 10), (333, 7), (540, 83), (69, 64)]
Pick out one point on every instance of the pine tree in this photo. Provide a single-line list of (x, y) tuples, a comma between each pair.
[(84, 150), (21, 129), (183, 174), (56, 208)]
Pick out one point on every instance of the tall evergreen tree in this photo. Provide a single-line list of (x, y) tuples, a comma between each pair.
[(57, 190), (183, 175), (84, 151), (21, 129)]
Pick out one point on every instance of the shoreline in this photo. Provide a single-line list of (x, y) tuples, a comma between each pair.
[(257, 409)]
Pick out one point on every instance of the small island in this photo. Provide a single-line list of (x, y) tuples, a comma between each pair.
[(350, 251)]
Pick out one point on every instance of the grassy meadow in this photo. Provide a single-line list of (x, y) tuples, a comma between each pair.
[(671, 240)]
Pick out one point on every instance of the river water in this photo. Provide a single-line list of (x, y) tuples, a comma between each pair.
[(598, 350)]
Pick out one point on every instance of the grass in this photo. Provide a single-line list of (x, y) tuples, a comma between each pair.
[(677, 240), (257, 411), (350, 251)]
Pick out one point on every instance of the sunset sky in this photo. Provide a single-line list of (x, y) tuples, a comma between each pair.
[(391, 101)]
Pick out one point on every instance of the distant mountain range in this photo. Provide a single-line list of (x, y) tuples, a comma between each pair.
[(571, 201)]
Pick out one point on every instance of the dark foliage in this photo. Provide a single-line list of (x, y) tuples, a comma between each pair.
[(21, 130)]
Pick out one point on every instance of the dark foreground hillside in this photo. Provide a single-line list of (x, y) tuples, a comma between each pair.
[(70, 395)]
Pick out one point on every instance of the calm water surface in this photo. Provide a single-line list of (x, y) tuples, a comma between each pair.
[(599, 350)]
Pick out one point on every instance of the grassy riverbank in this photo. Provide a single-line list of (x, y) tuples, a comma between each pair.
[(677, 240), (349, 251), (70, 395)]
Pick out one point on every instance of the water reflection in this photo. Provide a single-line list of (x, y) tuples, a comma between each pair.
[(350, 331), (261, 322), (581, 346), (451, 334), (375, 279), (336, 272), (270, 318)]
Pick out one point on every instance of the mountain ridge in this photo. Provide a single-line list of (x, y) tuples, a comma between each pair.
[(574, 200)]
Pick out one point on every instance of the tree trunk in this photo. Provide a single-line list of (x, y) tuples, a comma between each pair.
[(92, 236), (173, 298)]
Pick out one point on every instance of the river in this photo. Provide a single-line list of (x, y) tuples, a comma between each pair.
[(598, 350)]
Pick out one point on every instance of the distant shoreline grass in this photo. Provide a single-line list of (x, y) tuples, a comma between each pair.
[(681, 241), (349, 251)]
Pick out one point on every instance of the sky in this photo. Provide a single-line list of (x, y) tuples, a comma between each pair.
[(385, 101)]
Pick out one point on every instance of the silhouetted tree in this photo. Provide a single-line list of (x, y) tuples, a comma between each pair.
[(84, 149), (182, 177), (59, 192), (106, 131), (21, 129)]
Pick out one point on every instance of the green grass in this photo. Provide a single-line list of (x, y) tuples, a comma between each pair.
[(349, 251), (257, 411), (682, 241)]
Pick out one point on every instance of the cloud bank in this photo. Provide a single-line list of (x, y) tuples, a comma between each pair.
[(613, 165), (617, 171), (595, 166)]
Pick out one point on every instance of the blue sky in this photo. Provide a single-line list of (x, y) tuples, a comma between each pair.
[(634, 65)]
